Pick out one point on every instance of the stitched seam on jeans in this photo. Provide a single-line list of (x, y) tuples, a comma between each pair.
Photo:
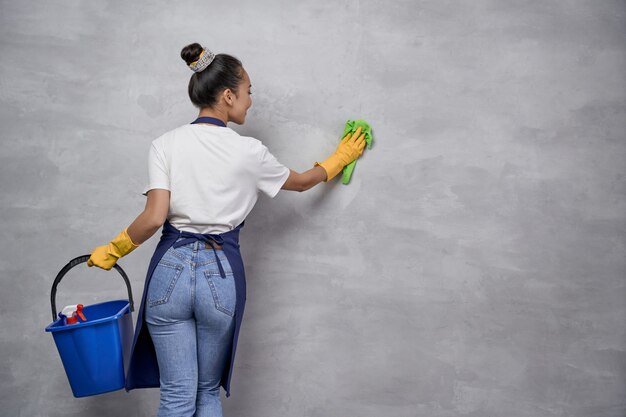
[(170, 287), (213, 260), (169, 264), (210, 262), (216, 299), (217, 273), (174, 252)]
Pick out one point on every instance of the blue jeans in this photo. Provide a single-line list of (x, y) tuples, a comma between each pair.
[(190, 312)]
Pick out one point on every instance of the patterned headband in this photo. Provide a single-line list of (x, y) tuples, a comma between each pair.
[(206, 57)]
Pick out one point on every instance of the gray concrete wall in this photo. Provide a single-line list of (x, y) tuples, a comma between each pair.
[(474, 267)]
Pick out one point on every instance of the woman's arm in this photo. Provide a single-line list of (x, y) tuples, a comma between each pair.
[(349, 149), (152, 217), (144, 226), (303, 181)]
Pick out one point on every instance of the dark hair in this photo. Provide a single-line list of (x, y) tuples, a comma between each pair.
[(225, 71)]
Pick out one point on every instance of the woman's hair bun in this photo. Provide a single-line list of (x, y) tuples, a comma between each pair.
[(191, 53)]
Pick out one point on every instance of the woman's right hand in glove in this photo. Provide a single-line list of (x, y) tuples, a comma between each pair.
[(348, 150)]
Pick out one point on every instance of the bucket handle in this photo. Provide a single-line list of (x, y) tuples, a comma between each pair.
[(71, 264)]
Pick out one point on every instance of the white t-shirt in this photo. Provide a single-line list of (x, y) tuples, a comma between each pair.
[(213, 175)]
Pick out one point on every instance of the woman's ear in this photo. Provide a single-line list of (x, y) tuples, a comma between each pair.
[(228, 96)]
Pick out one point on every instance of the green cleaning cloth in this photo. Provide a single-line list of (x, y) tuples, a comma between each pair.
[(351, 126)]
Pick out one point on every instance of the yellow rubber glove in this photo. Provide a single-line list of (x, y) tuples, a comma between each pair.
[(106, 256), (348, 150)]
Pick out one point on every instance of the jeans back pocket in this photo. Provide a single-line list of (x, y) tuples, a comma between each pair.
[(223, 291), (163, 281)]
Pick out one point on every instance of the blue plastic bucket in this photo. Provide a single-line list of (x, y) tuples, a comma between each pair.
[(95, 353)]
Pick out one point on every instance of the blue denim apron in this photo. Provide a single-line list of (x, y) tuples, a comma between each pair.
[(143, 369)]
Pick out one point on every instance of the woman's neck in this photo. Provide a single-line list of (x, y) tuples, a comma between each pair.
[(216, 113)]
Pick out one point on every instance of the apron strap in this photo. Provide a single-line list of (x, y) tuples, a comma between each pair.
[(188, 237), (210, 120)]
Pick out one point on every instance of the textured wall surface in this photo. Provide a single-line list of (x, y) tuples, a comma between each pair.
[(475, 266)]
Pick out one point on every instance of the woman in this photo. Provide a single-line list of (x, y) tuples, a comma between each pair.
[(204, 180)]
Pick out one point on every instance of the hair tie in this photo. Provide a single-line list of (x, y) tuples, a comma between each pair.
[(203, 61)]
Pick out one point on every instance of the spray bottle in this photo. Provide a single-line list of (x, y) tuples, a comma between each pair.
[(72, 313)]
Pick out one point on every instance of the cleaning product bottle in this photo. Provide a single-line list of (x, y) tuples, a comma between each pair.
[(72, 314), (63, 318)]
